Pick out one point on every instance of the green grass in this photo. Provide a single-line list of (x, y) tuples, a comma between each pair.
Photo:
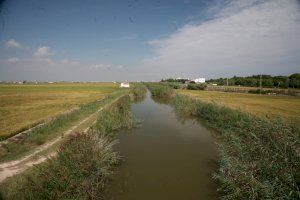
[(160, 90), (259, 158), (53, 129), (79, 171), (83, 165), (118, 116), (23, 106)]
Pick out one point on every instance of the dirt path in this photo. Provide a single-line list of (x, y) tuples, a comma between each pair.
[(11, 168)]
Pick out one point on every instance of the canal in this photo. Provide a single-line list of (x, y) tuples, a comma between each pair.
[(168, 157)]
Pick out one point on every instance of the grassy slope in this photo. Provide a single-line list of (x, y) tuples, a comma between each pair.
[(260, 105), (21, 106)]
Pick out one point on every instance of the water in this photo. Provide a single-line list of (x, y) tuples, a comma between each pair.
[(165, 158)]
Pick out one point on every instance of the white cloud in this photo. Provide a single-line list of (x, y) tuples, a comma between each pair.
[(69, 62), (13, 60), (119, 66), (42, 52), (13, 44), (100, 66), (245, 37)]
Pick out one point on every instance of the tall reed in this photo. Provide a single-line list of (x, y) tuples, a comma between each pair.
[(138, 92), (160, 90), (117, 116), (259, 158)]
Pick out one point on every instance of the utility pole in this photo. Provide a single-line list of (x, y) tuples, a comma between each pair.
[(260, 84)]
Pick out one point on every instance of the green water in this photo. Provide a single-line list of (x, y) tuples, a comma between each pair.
[(167, 158)]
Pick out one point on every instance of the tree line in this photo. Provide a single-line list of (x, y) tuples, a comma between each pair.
[(292, 81)]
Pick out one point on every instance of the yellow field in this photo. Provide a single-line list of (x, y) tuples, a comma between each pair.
[(287, 107), (24, 105)]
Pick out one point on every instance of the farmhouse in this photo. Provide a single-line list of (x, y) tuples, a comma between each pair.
[(199, 80), (124, 85)]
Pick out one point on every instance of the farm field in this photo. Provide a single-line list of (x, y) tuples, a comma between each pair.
[(286, 107), (22, 106), (245, 89)]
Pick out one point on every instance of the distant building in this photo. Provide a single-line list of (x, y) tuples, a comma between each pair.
[(124, 85), (199, 80)]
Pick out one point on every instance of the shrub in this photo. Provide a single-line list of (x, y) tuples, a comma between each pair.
[(196, 86), (174, 85), (257, 91)]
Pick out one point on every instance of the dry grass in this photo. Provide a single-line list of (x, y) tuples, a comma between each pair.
[(286, 107), (21, 106)]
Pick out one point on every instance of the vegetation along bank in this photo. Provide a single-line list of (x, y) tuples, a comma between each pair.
[(259, 157), (83, 164)]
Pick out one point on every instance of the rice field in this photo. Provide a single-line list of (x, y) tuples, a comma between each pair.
[(285, 107), (22, 106)]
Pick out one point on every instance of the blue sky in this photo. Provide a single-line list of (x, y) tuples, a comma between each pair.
[(96, 40), (100, 31)]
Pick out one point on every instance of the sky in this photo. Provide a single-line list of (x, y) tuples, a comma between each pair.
[(147, 40)]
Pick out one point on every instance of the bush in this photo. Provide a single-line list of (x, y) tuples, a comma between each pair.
[(196, 86), (260, 92), (174, 85)]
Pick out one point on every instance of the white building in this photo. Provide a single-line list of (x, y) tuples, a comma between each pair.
[(199, 80), (124, 85)]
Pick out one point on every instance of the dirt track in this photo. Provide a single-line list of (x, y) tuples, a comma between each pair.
[(11, 168)]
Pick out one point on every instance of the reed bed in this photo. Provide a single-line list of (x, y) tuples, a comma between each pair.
[(259, 158), (138, 92), (160, 90)]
